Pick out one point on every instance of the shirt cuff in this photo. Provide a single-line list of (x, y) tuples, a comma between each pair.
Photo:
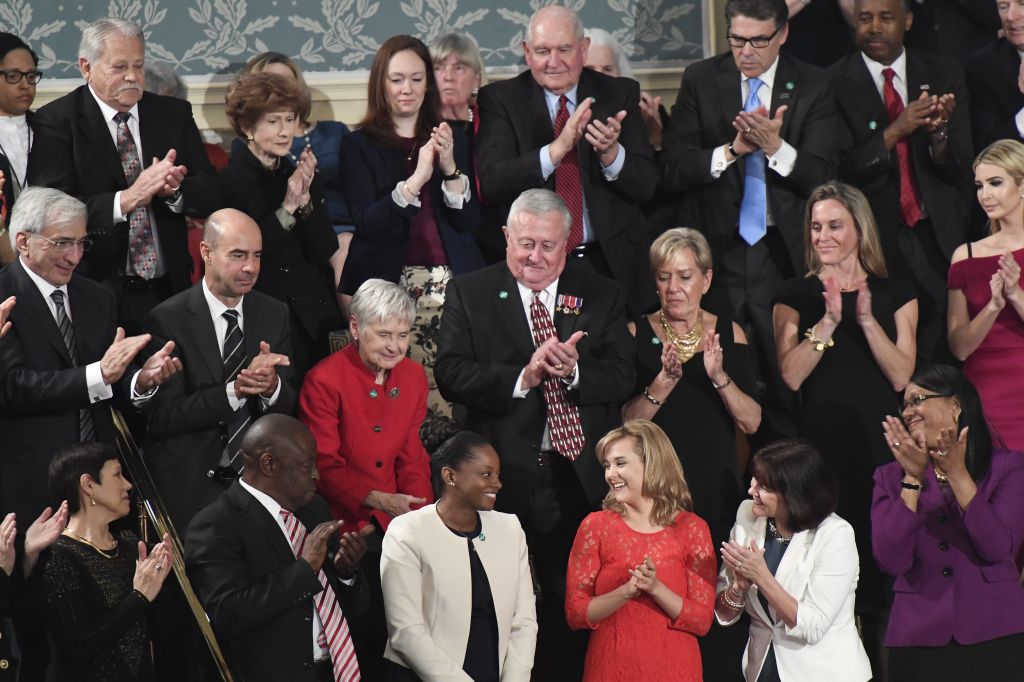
[(234, 401), (267, 402), (177, 206), (456, 200), (398, 196), (611, 171), (547, 166), (286, 219), (519, 391), (575, 379), (783, 161), (118, 216), (98, 389), (1019, 121), (719, 162), (140, 399)]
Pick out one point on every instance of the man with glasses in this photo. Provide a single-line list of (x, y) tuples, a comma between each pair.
[(751, 134)]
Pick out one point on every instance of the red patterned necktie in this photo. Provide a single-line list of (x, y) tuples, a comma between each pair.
[(335, 628), (910, 201), (141, 245), (564, 426), (568, 184)]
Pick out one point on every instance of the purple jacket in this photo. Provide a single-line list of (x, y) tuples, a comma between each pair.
[(954, 569)]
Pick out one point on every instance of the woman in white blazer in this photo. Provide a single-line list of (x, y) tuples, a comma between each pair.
[(792, 565), (458, 594)]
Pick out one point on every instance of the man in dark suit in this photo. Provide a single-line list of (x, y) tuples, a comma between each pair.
[(267, 592), (97, 143), (519, 340), (746, 164), (995, 82), (906, 113), (592, 148), (952, 28)]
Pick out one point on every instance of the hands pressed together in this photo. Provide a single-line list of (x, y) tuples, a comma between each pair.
[(553, 357), (603, 136), (351, 546)]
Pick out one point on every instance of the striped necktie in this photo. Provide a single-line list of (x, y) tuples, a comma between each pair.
[(234, 361), (568, 183), (86, 427)]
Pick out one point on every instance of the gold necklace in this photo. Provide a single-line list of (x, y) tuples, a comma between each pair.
[(687, 344), (105, 553)]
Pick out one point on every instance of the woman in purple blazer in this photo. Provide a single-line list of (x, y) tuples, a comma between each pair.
[(947, 520)]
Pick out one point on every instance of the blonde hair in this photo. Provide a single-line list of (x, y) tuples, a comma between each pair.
[(869, 247), (1008, 155), (673, 242), (259, 64), (664, 482)]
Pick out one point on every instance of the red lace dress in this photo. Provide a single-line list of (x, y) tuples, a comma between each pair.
[(640, 641)]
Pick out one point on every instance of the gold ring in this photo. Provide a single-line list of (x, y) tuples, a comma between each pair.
[(896, 443), (558, 366), (747, 130)]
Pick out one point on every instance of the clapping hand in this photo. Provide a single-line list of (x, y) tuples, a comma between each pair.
[(645, 576), (865, 316), (650, 110), (746, 562), (151, 570), (713, 358), (444, 148), (950, 450), (158, 368), (761, 130), (910, 454), (351, 548), (8, 529), (604, 137), (833, 300), (996, 285), (5, 312), (1009, 272)]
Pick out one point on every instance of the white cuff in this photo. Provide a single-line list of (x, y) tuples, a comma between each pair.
[(719, 161), (98, 389), (783, 161), (456, 200), (398, 196), (612, 170)]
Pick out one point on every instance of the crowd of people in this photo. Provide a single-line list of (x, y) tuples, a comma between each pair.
[(472, 390)]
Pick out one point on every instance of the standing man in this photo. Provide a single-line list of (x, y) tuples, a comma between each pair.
[(539, 353), (137, 162), (995, 80), (751, 134), (907, 115), (579, 133), (276, 578)]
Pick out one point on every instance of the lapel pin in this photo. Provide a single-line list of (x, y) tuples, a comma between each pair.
[(393, 393), (373, 393), (503, 295), (655, 340), (924, 86), (790, 85), (872, 125)]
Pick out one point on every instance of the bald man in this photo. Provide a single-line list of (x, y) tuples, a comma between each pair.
[(270, 595)]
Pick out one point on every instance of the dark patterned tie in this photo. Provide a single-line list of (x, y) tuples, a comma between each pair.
[(141, 244), (563, 416), (568, 184), (234, 361), (910, 202), (86, 427)]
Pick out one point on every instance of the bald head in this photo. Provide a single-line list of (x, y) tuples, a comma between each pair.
[(280, 460), (231, 249)]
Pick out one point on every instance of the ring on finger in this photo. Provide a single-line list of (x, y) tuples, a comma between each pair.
[(942, 453), (747, 130), (896, 443)]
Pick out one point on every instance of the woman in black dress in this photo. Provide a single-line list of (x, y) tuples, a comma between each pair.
[(845, 336)]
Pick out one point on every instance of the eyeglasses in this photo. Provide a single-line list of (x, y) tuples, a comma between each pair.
[(13, 76), (756, 41), (65, 245), (916, 400)]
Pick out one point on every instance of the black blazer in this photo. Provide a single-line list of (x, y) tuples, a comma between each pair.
[(41, 392), (992, 75), (258, 596), (868, 166), (73, 152), (515, 124), (5, 167), (369, 173), (189, 415), (484, 343), (708, 101)]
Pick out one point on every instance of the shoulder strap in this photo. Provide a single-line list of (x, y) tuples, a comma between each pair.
[(970, 252)]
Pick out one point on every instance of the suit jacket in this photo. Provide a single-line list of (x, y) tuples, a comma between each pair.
[(73, 152), (996, 99), (189, 416), (708, 101), (484, 343), (41, 391), (427, 585), (876, 172), (5, 167), (819, 570), (953, 28), (515, 124), (954, 569), (257, 594)]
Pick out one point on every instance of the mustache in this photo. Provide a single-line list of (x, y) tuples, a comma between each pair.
[(125, 88)]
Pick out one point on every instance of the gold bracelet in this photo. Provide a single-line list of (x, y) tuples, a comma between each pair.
[(730, 603), (650, 398), (819, 344)]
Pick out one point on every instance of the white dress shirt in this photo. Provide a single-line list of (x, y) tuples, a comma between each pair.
[(15, 143), (899, 81)]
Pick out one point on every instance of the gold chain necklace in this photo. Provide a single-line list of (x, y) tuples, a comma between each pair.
[(105, 553), (687, 344)]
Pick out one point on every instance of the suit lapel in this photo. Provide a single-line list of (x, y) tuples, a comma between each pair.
[(512, 313), (730, 99), (541, 124), (253, 331), (863, 94), (917, 77), (204, 337), (794, 569), (757, 531), (258, 519), (151, 128), (31, 303), (565, 322), (83, 320), (784, 93), (95, 128)]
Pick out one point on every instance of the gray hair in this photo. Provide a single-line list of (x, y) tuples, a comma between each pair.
[(577, 23), (602, 38), (163, 80), (463, 46), (378, 300), (538, 202), (96, 34), (40, 207)]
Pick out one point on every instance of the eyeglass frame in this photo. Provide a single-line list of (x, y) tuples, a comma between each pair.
[(65, 245), (915, 401), (27, 75), (729, 36)]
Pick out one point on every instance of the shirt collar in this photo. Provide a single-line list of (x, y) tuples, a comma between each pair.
[(570, 94), (269, 503), (768, 77), (899, 65), (217, 307), (108, 111), (45, 288), (526, 293)]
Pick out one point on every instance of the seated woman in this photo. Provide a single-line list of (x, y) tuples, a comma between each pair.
[(946, 522), (456, 577), (641, 572), (98, 588), (791, 564), (287, 201), (406, 180)]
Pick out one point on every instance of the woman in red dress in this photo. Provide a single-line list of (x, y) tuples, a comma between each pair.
[(642, 570)]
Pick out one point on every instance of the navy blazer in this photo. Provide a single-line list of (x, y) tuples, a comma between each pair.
[(368, 175)]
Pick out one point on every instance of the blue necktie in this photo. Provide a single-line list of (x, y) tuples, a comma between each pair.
[(754, 209)]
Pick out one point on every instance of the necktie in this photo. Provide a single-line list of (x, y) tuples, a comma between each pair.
[(754, 207), (910, 202), (141, 244), (339, 641), (234, 361), (563, 416), (568, 184), (86, 427)]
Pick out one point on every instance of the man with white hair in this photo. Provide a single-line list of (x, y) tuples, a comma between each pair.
[(137, 162)]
